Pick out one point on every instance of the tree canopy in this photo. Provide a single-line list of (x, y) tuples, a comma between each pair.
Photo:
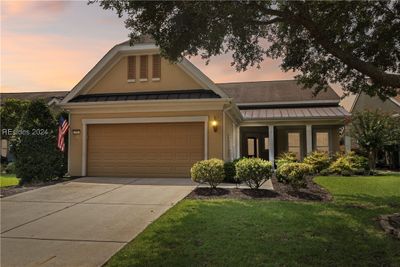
[(355, 44)]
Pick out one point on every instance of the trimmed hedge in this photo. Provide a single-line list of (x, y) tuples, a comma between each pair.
[(348, 164), (253, 171), (209, 171), (318, 161), (293, 174), (287, 157)]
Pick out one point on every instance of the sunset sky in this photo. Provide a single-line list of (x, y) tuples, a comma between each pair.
[(51, 45)]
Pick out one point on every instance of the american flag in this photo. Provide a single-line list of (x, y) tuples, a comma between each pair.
[(63, 127)]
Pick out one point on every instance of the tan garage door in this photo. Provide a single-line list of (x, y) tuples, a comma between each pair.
[(144, 150)]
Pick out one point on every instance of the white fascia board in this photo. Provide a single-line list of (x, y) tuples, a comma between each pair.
[(395, 101), (200, 77), (107, 58)]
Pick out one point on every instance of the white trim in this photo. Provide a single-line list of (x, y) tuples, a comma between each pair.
[(271, 143), (223, 136), (309, 137), (143, 79), (155, 79), (122, 49), (53, 101), (354, 102), (131, 80), (86, 122), (289, 103)]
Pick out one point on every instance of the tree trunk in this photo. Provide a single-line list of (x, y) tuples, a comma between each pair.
[(372, 159)]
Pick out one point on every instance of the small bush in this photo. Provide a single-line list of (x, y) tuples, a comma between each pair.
[(253, 171), (287, 157), (346, 173), (208, 171), (230, 172), (318, 161), (10, 168), (324, 172), (294, 174), (349, 163)]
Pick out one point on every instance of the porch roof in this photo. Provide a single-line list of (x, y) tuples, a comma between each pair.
[(294, 113)]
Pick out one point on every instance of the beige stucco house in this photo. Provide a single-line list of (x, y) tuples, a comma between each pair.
[(136, 114)]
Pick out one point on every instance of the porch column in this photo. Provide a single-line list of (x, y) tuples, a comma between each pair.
[(309, 138), (347, 143), (271, 144)]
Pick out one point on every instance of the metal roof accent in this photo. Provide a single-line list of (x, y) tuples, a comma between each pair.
[(159, 95), (294, 113)]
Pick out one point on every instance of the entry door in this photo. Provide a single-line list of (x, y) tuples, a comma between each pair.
[(255, 145)]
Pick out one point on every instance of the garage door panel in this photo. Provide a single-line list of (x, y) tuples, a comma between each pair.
[(144, 150)]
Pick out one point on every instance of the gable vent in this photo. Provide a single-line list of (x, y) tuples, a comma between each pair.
[(131, 67), (156, 67), (143, 67)]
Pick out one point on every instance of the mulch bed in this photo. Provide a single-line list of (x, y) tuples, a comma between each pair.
[(16, 189), (313, 192)]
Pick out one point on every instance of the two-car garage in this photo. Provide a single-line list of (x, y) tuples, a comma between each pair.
[(144, 149)]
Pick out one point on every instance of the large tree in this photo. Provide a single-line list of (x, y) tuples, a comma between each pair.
[(375, 131), (356, 44)]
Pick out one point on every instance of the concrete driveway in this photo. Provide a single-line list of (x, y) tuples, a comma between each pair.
[(83, 222)]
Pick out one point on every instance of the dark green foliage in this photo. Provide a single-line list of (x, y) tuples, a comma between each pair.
[(253, 171), (346, 173), (11, 113), (35, 147), (346, 42), (318, 161), (230, 172), (287, 157), (209, 171), (10, 168), (324, 172), (373, 131), (294, 174), (349, 163)]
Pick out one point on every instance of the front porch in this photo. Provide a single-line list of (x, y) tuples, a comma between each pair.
[(270, 141)]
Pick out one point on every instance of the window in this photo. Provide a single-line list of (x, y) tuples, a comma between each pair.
[(322, 141), (266, 143), (156, 68), (143, 68), (131, 68), (294, 144), (252, 144)]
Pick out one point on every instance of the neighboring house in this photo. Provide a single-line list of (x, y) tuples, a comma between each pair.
[(136, 114), (51, 98), (391, 106)]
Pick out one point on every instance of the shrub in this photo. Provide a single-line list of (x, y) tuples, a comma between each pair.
[(37, 157), (324, 172), (253, 171), (10, 168), (350, 163), (208, 171), (346, 173), (230, 172), (294, 174), (318, 161), (287, 157)]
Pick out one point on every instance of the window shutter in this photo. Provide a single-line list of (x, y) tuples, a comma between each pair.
[(131, 67), (143, 67), (156, 67)]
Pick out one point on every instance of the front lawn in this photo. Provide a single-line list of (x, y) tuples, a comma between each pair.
[(8, 180), (273, 232)]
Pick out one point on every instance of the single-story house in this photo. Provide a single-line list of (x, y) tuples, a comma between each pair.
[(135, 114)]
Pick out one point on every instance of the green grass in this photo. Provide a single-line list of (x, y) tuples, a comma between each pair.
[(275, 233), (8, 180)]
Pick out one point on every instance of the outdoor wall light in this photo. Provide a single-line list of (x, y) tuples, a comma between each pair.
[(214, 124), (76, 131)]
